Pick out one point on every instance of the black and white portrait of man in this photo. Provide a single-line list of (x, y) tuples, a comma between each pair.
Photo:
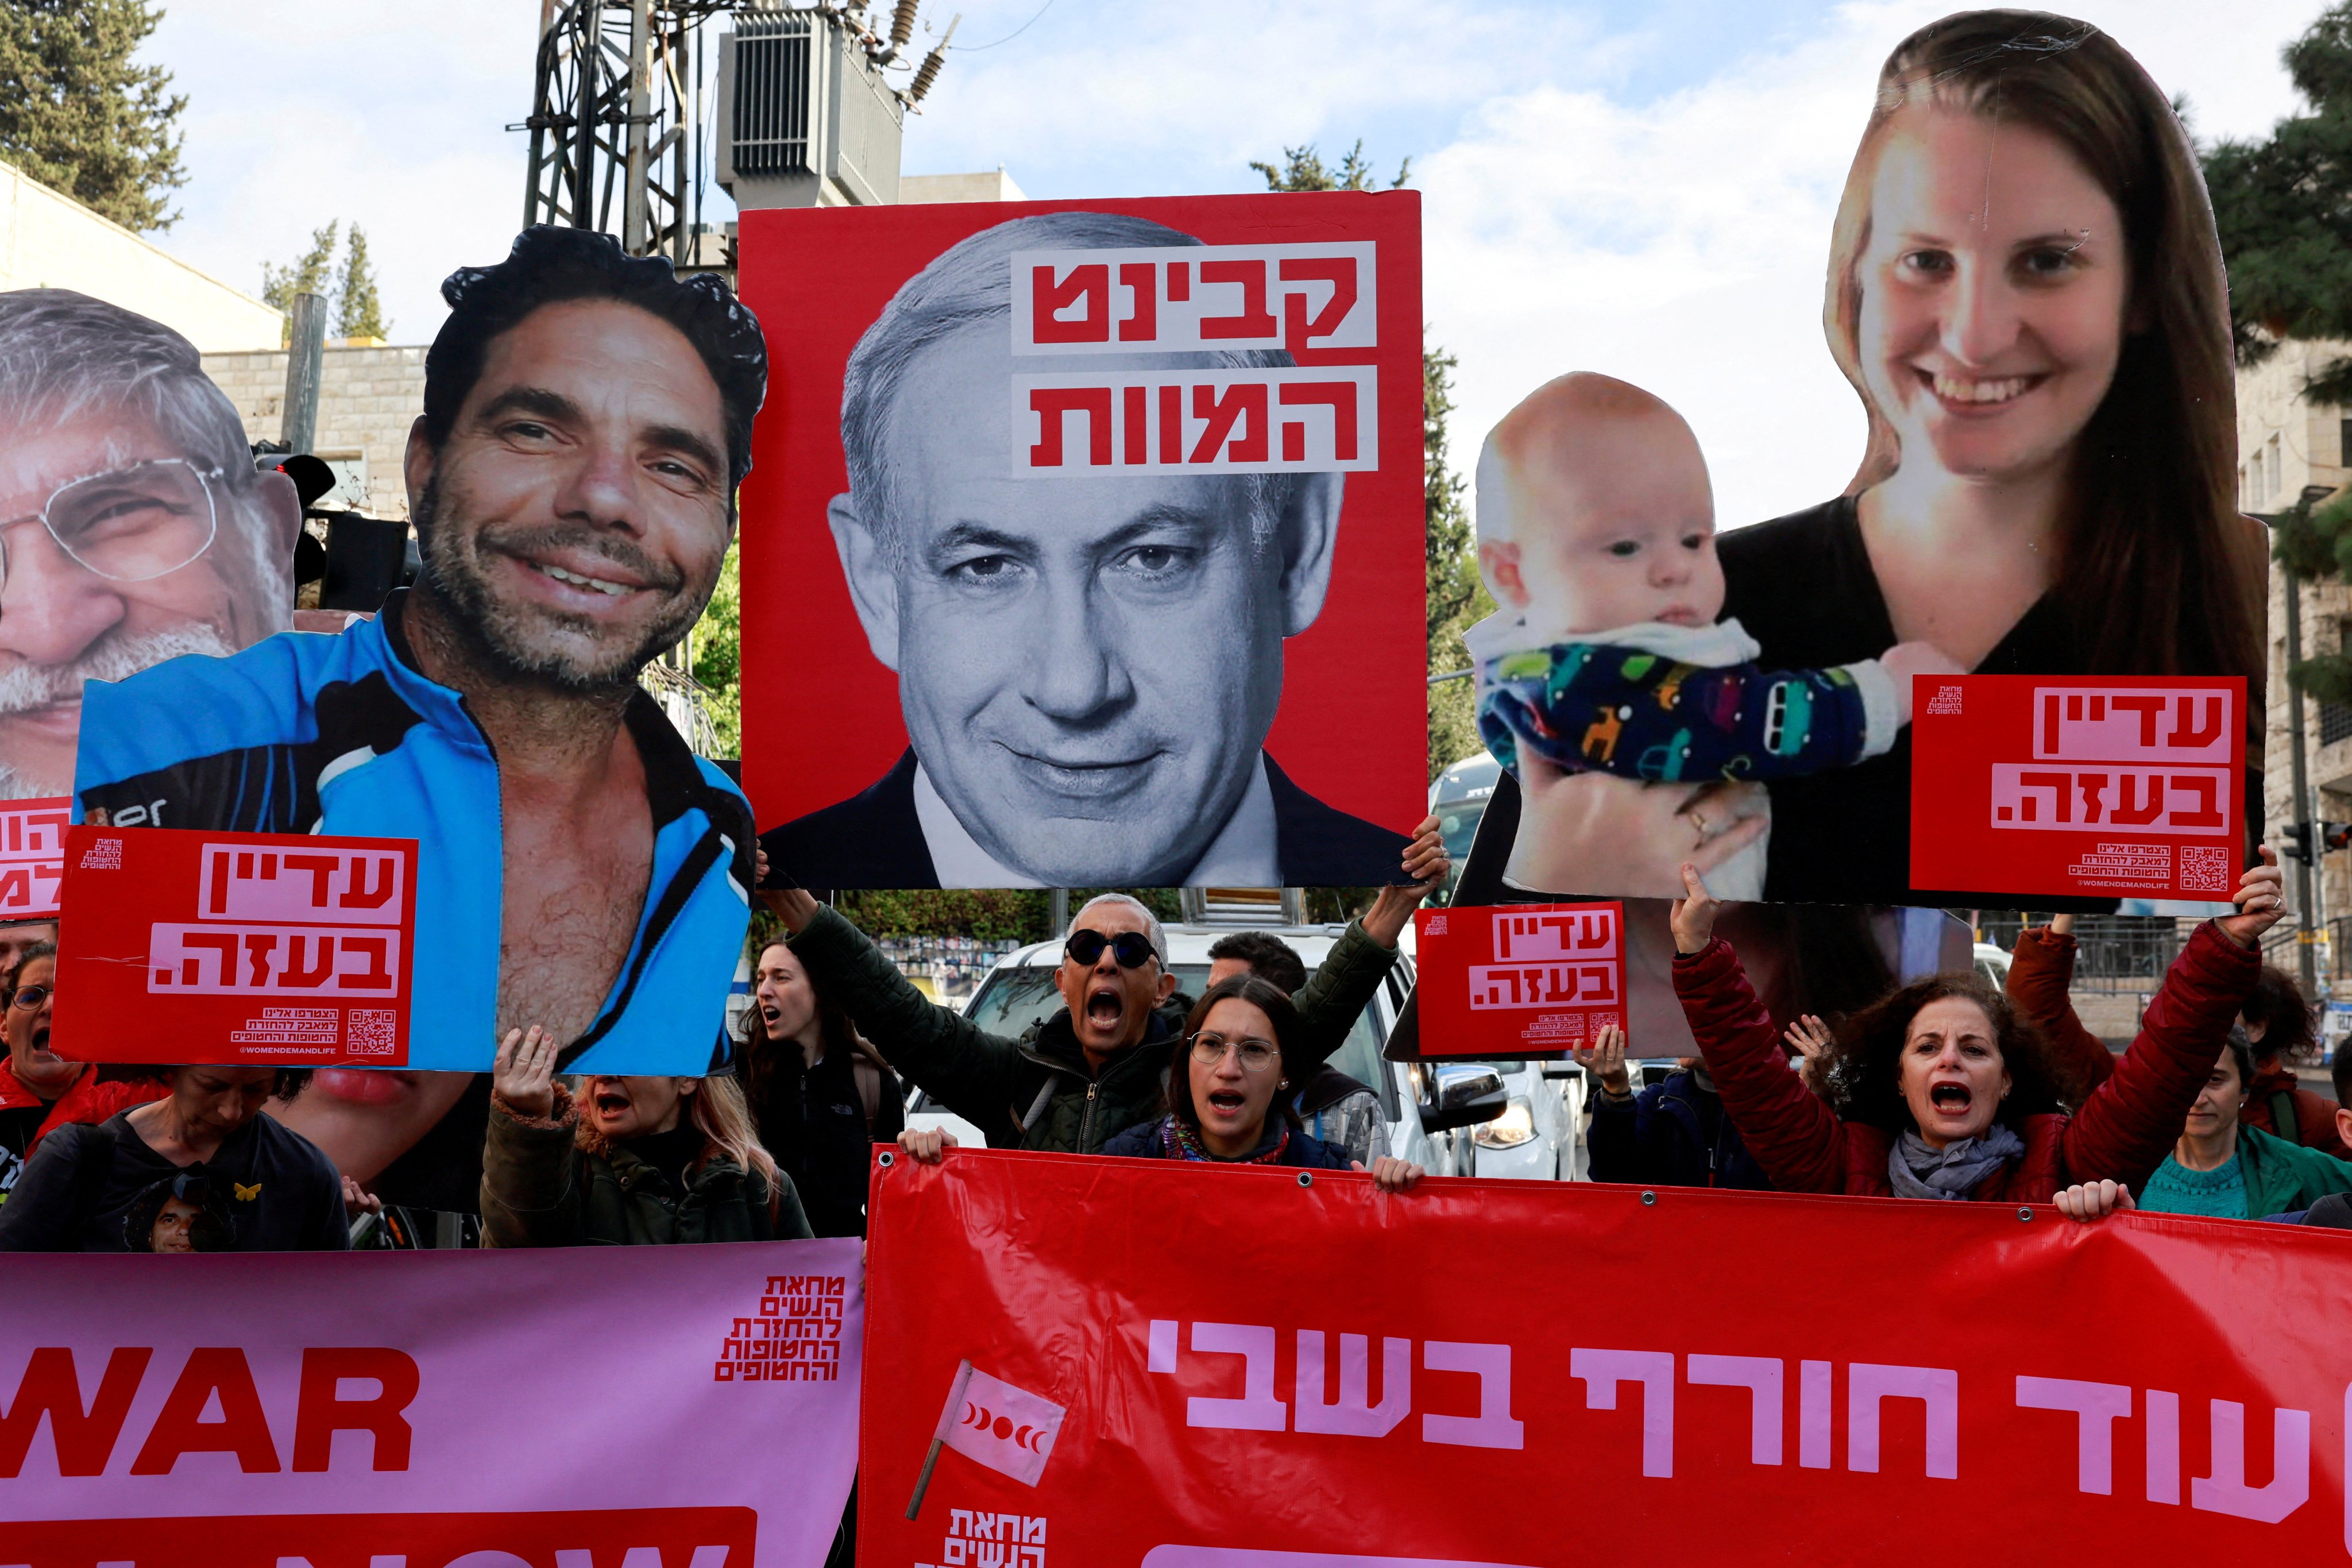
[(1087, 667)]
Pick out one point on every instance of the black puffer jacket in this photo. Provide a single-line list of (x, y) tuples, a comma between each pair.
[(83, 1184), (813, 1119)]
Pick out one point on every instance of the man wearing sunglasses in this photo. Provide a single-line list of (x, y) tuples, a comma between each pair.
[(1078, 1080), (133, 528)]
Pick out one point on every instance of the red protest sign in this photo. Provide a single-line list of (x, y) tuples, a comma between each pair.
[(248, 947), (1521, 980), (1229, 1403), (2101, 786), (32, 855)]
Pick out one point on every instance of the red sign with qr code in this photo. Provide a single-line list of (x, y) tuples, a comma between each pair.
[(2029, 787), (257, 948), (1519, 981)]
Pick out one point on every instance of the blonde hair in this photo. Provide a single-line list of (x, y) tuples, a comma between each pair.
[(724, 1117)]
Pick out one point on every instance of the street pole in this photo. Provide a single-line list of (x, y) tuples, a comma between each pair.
[(634, 218), (305, 357), (2305, 931)]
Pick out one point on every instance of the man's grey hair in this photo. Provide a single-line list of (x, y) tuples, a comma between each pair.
[(970, 284), (1152, 927), (64, 354)]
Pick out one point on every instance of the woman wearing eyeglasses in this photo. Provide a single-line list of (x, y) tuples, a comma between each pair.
[(1226, 1095)]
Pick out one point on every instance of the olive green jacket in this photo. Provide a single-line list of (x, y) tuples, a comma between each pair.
[(540, 1187)]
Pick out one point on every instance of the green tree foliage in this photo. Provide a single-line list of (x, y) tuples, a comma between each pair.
[(1455, 595), (77, 115), (359, 314), (310, 273), (2283, 205), (718, 651)]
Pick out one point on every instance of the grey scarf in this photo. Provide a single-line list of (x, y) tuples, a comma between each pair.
[(1920, 1172)]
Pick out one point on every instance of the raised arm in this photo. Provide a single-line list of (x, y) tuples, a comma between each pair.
[(1336, 994), (1792, 1134), (972, 1072), (2130, 1122), (530, 1197), (2041, 969)]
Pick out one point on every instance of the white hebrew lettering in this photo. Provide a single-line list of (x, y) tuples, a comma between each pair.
[(1354, 1415), (1866, 1384), (1164, 1344), (2163, 1446), (1494, 1426), (1813, 1414), (1761, 1375), (1654, 1370), (2098, 1406), (2226, 1491), (1257, 1410)]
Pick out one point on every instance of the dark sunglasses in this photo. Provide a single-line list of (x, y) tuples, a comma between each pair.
[(1132, 948), (31, 996)]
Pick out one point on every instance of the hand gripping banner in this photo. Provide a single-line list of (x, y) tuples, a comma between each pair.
[(542, 1409), (1247, 1368)]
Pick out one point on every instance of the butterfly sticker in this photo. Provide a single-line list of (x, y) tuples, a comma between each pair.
[(245, 1194)]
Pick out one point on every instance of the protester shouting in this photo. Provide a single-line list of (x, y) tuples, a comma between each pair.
[(822, 1097), (1672, 1134), (40, 1090), (87, 1187), (1228, 1074), (2276, 1020), (1332, 1107), (623, 1162), (1082, 1076), (1944, 1090)]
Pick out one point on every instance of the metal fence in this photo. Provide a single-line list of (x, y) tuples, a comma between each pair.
[(2112, 953)]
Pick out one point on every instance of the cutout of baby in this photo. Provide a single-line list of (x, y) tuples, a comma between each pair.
[(1596, 536)]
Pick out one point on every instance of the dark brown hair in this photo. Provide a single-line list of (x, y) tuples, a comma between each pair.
[(2160, 575), (1863, 1066), (755, 1067), (1267, 998), (2277, 1004)]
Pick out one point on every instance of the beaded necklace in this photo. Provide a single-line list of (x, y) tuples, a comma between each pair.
[(1181, 1142)]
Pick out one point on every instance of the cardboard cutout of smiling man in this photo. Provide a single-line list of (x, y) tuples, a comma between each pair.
[(587, 418), (132, 526)]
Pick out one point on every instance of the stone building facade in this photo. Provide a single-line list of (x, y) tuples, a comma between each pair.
[(368, 394)]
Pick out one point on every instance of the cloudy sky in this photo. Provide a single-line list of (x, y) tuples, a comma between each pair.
[(1641, 188)]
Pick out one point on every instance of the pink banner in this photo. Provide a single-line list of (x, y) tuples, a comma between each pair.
[(216, 1411)]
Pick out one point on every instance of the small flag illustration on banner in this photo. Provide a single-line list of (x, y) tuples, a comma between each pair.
[(1006, 1428)]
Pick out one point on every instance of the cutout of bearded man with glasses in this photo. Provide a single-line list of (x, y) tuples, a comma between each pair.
[(133, 528)]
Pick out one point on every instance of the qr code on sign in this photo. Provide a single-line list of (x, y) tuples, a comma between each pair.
[(2204, 870), (370, 1031)]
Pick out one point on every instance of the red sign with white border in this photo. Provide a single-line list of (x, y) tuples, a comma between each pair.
[(2100, 787), (1519, 978), (236, 947)]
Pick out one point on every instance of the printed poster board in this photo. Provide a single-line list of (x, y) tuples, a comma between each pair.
[(1518, 980), (242, 948), (1084, 544)]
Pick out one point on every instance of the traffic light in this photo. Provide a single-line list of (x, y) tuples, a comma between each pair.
[(2334, 836), (2296, 841)]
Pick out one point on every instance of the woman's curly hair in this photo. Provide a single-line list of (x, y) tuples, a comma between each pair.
[(1863, 1068)]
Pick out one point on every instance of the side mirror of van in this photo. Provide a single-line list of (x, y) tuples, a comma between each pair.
[(1464, 1097)]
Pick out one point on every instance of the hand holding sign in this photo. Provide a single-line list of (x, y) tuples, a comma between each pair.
[(523, 1073), (2260, 901), (1605, 1060)]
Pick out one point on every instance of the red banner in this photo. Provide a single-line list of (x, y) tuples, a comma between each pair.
[(32, 856), (1518, 980), (1251, 1367), (2085, 785), (253, 947)]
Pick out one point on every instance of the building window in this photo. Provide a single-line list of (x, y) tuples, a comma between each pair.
[(2335, 722), (2344, 443), (2275, 475)]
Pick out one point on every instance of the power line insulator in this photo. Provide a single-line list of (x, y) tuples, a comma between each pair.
[(902, 23)]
